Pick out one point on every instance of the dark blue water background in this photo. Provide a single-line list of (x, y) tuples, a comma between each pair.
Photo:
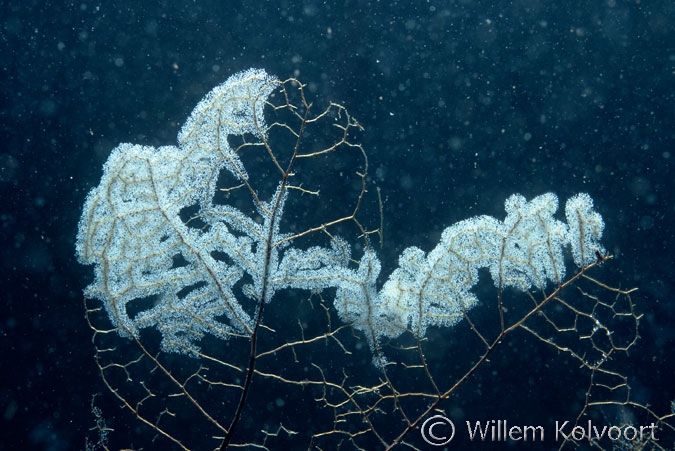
[(463, 103)]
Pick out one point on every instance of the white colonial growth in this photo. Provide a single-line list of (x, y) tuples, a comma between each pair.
[(132, 231)]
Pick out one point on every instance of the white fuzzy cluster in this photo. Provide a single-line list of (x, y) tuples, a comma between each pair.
[(149, 262), (153, 270), (525, 250)]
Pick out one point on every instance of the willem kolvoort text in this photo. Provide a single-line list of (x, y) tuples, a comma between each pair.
[(499, 431)]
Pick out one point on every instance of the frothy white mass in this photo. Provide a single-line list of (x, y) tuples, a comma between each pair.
[(154, 270), (525, 250)]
